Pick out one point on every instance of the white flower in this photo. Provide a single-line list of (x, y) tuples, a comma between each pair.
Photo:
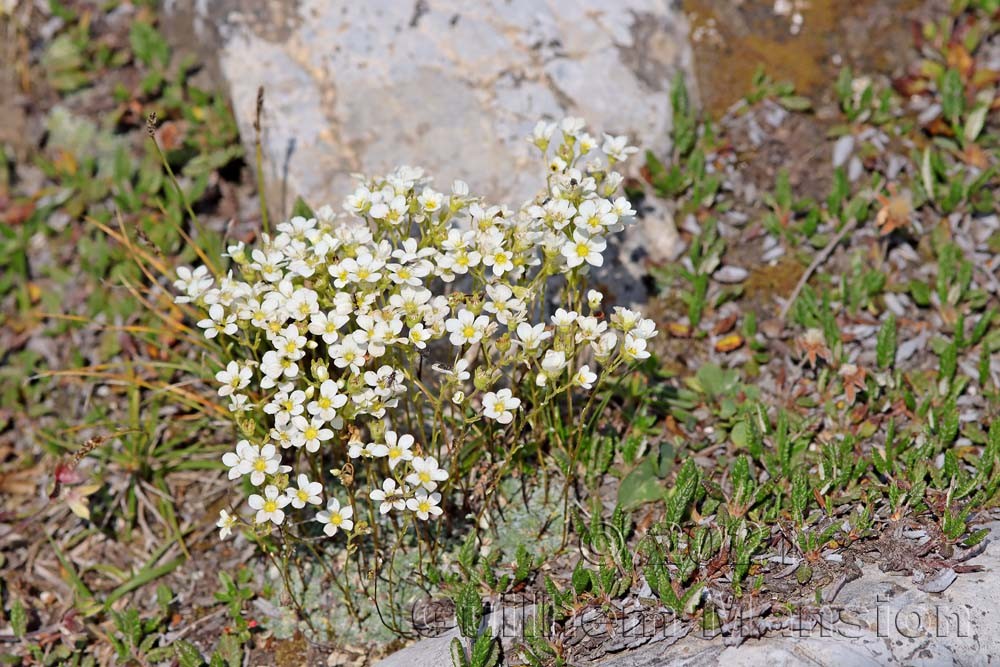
[(584, 248), (604, 346), (500, 406), (274, 366), (218, 322), (563, 319), (348, 353), (290, 343), (419, 336), (594, 299), (390, 496), (233, 378), (466, 328), (225, 524), (398, 448), (617, 148), (426, 473), (269, 506), (327, 403), (429, 200), (239, 403), (584, 378), (501, 260), (262, 461), (460, 372), (307, 492), (335, 517), (624, 319), (646, 329), (192, 283), (238, 462), (531, 337), (284, 406), (424, 505), (634, 348), (309, 433), (327, 325)]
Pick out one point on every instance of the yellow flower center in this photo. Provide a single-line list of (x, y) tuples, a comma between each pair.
[(423, 506), (260, 465), (270, 506), (582, 250), (424, 477), (324, 402), (336, 519), (395, 452), (290, 347), (363, 274), (303, 495), (468, 331), (311, 433)]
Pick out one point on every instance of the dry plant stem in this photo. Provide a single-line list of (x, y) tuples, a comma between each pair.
[(816, 263), (151, 130), (259, 158)]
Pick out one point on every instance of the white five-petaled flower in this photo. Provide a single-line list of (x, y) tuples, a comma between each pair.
[(225, 524), (398, 448), (390, 496), (309, 433), (263, 461), (634, 349), (193, 284), (584, 377), (335, 517), (500, 405), (218, 322), (466, 328), (325, 405), (424, 505), (307, 492), (532, 337), (239, 462), (233, 378), (426, 473), (269, 506), (584, 248)]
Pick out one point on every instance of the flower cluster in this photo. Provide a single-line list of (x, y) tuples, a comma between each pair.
[(329, 321)]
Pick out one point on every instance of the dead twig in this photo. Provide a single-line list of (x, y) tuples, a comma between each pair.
[(816, 263)]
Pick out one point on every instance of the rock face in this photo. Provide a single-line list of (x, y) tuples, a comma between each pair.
[(450, 86)]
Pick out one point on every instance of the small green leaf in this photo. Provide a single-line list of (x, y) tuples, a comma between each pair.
[(458, 657), (149, 45), (18, 619), (885, 346), (188, 654), (468, 610), (795, 102), (302, 209), (685, 486)]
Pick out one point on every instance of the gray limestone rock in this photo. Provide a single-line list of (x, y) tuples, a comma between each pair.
[(450, 86)]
